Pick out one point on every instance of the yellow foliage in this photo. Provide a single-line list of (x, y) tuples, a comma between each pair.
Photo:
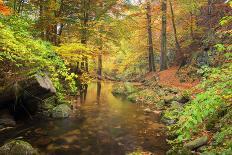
[(73, 52)]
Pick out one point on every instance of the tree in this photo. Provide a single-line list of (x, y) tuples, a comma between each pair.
[(178, 48), (163, 57), (3, 9), (150, 41)]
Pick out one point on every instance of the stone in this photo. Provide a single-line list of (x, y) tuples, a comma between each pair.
[(168, 99), (147, 110), (197, 143), (168, 121), (6, 119), (49, 103), (175, 103), (18, 147), (132, 97), (61, 111)]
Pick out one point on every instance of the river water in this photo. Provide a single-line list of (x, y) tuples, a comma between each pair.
[(101, 124)]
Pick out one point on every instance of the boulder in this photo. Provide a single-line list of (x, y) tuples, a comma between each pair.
[(61, 111), (160, 104), (176, 104), (169, 98), (147, 110), (197, 143), (27, 93), (18, 147), (167, 121), (6, 119)]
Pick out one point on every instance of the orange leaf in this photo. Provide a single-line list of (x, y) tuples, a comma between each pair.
[(4, 9)]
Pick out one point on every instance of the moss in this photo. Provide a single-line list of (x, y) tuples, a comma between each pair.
[(18, 147), (124, 89), (61, 111)]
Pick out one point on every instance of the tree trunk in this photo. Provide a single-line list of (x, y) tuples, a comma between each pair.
[(191, 25), (20, 5), (15, 6), (178, 48), (150, 41), (84, 31), (163, 56), (99, 71)]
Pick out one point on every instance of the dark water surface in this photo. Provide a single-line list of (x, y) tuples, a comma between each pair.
[(101, 125)]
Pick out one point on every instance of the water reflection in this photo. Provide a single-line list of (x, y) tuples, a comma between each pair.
[(104, 125), (83, 92)]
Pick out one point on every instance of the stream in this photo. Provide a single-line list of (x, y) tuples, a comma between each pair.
[(101, 124)]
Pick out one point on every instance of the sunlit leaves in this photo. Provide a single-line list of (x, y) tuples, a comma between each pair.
[(21, 49)]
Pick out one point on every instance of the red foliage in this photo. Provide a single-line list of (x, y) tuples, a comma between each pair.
[(169, 78)]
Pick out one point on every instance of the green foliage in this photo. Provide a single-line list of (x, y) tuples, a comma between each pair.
[(215, 95), (18, 46), (204, 71), (226, 20), (124, 89)]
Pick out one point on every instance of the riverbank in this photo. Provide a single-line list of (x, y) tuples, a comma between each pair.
[(197, 119)]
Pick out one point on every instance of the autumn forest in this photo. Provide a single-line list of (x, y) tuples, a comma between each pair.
[(115, 77)]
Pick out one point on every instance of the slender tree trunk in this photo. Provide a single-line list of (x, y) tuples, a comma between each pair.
[(99, 71), (191, 25), (20, 5), (83, 62), (41, 11), (210, 9), (163, 56), (58, 41), (15, 6), (178, 48), (150, 41), (84, 31)]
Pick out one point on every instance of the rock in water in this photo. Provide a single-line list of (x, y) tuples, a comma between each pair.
[(61, 111), (6, 119), (196, 143), (18, 147), (29, 91), (36, 87)]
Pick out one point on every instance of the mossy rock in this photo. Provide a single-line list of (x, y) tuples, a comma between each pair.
[(118, 89), (160, 104), (124, 89), (179, 151), (49, 103), (18, 147), (61, 111), (168, 99), (130, 88), (133, 97)]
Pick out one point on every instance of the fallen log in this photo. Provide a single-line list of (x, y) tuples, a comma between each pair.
[(27, 91), (197, 143)]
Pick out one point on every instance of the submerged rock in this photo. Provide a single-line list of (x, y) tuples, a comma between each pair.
[(18, 147), (61, 111)]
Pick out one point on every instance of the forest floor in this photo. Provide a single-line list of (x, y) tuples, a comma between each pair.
[(170, 78)]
